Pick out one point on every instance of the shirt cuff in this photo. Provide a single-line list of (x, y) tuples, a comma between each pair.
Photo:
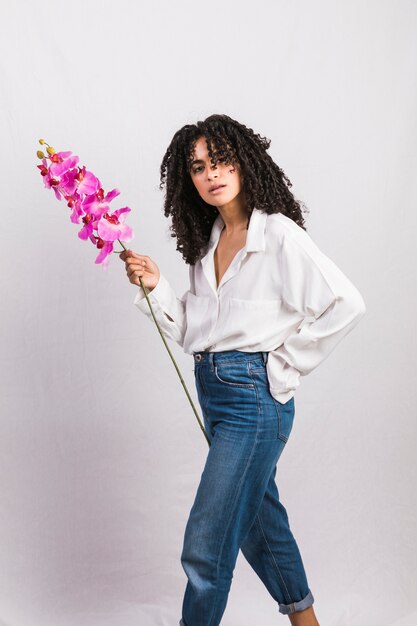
[(281, 396), (159, 294), (283, 378)]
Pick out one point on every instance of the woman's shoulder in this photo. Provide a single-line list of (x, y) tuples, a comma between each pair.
[(283, 227), (285, 233)]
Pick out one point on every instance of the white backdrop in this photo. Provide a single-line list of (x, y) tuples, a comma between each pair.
[(100, 453)]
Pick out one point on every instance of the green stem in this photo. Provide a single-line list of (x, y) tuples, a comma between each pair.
[(170, 354)]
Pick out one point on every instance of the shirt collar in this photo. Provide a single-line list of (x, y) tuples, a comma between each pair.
[(255, 239)]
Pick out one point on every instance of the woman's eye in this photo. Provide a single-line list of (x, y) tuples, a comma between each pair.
[(200, 167)]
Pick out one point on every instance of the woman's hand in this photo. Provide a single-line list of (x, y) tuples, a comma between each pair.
[(140, 266)]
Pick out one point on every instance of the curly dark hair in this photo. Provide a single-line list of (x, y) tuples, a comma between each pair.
[(264, 184)]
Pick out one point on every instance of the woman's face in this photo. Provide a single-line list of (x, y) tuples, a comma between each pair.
[(204, 177)]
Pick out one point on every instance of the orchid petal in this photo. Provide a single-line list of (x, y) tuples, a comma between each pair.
[(111, 194), (89, 184), (68, 182), (57, 169), (108, 231), (86, 231), (126, 233), (94, 206), (75, 217), (57, 193), (121, 213), (105, 262), (88, 201), (105, 251), (76, 213)]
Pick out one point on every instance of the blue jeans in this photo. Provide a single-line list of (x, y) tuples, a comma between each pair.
[(237, 503)]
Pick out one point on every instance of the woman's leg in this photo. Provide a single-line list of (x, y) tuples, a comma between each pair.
[(230, 492), (271, 550), (304, 618), (248, 431)]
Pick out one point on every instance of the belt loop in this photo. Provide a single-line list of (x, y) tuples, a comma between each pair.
[(265, 357)]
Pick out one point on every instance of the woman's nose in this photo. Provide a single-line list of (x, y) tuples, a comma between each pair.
[(212, 171)]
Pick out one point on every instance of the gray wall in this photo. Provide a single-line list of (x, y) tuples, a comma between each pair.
[(100, 453)]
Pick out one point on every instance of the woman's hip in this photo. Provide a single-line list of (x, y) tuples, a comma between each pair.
[(233, 391)]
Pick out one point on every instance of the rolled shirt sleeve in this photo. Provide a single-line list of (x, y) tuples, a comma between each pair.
[(329, 306), (165, 305)]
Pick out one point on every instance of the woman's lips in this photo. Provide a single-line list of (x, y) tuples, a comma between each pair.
[(218, 189)]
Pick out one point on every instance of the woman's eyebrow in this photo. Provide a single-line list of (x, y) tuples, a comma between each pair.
[(197, 161)]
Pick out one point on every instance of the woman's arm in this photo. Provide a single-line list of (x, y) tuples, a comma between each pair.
[(169, 310), (329, 306)]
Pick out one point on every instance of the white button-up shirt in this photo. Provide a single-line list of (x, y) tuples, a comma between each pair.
[(280, 294)]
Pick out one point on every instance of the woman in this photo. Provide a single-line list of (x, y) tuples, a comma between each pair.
[(265, 306)]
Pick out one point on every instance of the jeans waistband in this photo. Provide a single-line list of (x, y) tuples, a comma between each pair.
[(212, 358)]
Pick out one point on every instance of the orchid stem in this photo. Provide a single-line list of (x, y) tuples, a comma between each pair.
[(170, 354)]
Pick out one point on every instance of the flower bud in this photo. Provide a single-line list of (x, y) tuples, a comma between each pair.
[(50, 150), (40, 154), (41, 141)]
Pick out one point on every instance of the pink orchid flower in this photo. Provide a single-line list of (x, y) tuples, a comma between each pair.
[(62, 162), (87, 200), (90, 224), (97, 203), (112, 227), (85, 183), (74, 202), (49, 181), (105, 247)]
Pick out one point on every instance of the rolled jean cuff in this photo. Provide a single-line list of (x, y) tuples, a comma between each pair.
[(305, 603)]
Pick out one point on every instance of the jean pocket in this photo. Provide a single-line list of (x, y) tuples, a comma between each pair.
[(285, 414), (257, 366), (234, 375)]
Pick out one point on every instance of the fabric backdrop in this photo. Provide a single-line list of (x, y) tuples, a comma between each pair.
[(100, 452)]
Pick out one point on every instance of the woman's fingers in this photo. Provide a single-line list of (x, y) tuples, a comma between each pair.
[(130, 254), (131, 262), (131, 269), (140, 266), (125, 254)]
